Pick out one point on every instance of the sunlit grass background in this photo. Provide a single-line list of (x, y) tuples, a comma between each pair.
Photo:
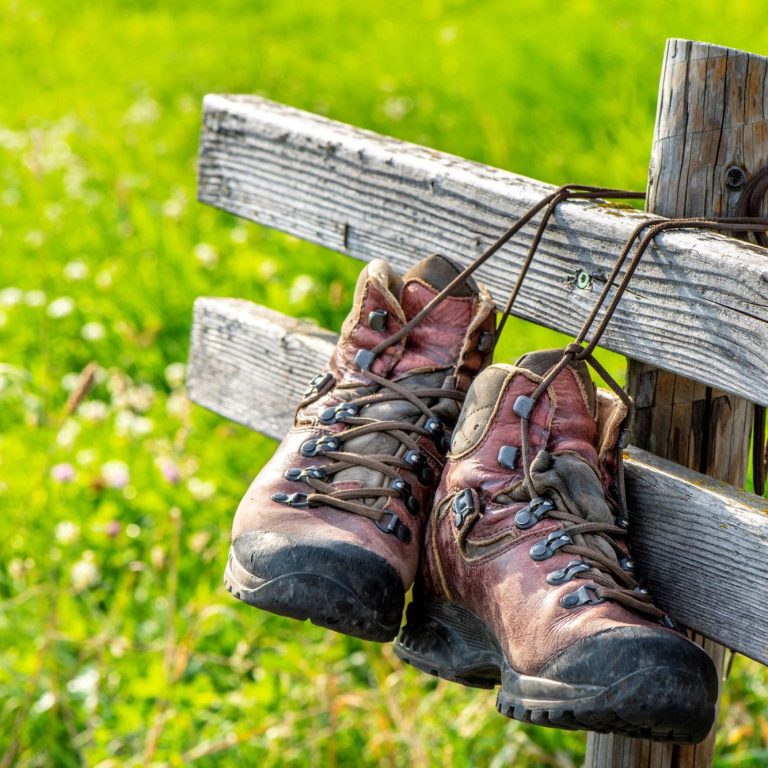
[(118, 645)]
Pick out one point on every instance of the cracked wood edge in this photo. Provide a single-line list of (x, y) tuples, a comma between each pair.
[(702, 544), (697, 305)]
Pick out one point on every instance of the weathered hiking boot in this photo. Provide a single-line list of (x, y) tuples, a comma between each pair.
[(533, 587), (332, 527)]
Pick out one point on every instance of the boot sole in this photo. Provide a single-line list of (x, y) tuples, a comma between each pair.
[(448, 641), (319, 592)]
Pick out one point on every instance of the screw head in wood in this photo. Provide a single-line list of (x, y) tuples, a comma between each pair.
[(735, 178)]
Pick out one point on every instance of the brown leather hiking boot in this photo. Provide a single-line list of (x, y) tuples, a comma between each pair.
[(527, 580), (332, 527)]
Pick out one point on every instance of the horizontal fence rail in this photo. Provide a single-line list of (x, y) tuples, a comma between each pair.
[(698, 305), (703, 545)]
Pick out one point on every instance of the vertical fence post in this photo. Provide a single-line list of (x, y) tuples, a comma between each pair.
[(711, 136)]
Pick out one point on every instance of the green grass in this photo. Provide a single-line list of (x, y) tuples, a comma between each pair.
[(118, 645)]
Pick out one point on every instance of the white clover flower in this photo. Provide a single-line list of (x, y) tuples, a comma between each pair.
[(93, 331), (115, 474), (93, 411), (85, 573), (61, 307), (67, 532), (11, 296), (140, 397), (44, 703), (35, 298), (175, 375), (68, 434), (76, 270), (206, 254), (16, 569), (177, 405), (302, 286), (201, 490)]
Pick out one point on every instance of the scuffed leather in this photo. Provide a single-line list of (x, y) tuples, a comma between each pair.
[(484, 564), (439, 353)]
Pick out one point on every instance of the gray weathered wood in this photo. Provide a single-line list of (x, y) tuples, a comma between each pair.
[(372, 196), (251, 364)]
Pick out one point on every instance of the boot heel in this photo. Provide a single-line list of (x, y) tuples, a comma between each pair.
[(448, 641)]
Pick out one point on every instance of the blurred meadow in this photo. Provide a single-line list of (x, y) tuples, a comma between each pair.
[(118, 643)]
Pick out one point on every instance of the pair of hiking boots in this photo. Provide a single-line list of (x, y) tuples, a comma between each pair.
[(496, 490)]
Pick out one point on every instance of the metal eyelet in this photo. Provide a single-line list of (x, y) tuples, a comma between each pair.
[(394, 526), (543, 550), (419, 463), (434, 427), (586, 595), (531, 514), (627, 564), (463, 506), (364, 359), (318, 383), (623, 522), (507, 457), (405, 492), (378, 319), (302, 473), (641, 591), (524, 406), (316, 447), (564, 575), (339, 413), (293, 499)]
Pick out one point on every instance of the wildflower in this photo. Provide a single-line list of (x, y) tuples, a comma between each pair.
[(115, 474), (113, 529), (85, 573), (61, 307), (302, 286), (63, 473), (67, 532), (206, 254), (131, 425), (44, 703), (93, 331), (175, 374), (11, 296), (93, 410), (68, 434), (76, 270), (177, 405), (201, 490), (170, 470)]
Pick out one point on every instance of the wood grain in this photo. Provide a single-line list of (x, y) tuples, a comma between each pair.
[(372, 196), (703, 545), (709, 139)]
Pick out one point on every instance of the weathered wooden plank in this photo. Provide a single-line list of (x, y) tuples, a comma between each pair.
[(703, 545), (697, 305)]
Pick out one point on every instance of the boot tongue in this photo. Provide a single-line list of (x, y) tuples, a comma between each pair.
[(376, 314), (437, 341)]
